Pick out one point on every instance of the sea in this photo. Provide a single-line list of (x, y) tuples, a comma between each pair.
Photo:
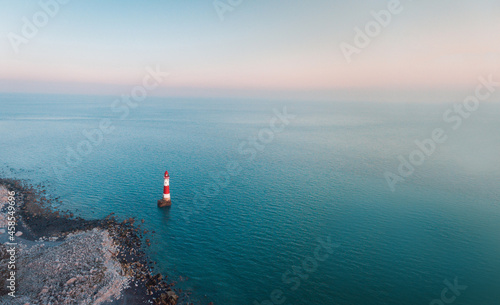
[(279, 201)]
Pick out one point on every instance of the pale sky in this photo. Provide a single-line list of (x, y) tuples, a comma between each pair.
[(262, 48)]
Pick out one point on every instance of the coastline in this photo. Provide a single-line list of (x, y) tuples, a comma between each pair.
[(62, 259)]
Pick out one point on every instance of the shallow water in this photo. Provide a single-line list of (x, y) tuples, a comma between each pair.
[(322, 176)]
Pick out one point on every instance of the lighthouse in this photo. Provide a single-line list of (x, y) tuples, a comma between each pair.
[(165, 202)]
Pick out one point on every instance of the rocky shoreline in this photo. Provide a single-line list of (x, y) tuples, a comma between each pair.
[(62, 259)]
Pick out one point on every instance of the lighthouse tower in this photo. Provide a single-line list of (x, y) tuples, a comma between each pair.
[(166, 187), (165, 202)]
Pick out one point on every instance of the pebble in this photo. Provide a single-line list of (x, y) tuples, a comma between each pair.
[(71, 281)]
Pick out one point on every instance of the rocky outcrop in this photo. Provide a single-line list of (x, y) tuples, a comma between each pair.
[(164, 203), (66, 260)]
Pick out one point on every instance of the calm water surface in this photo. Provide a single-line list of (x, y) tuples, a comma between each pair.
[(322, 178)]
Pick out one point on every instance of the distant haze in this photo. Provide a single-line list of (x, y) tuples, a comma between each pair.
[(431, 50)]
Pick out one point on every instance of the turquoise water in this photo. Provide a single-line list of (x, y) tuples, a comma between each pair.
[(321, 177)]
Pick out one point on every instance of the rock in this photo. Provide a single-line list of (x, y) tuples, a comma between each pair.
[(167, 298), (19, 233), (173, 296), (164, 203), (71, 281)]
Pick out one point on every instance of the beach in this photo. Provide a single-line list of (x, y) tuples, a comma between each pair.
[(52, 257)]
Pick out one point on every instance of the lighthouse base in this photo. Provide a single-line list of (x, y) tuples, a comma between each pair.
[(164, 203)]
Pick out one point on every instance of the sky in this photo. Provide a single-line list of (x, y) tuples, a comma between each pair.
[(424, 50)]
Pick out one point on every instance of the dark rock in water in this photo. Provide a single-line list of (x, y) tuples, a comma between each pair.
[(164, 203), (167, 298)]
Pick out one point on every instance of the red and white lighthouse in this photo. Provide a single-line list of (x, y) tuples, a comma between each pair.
[(165, 202), (166, 186)]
